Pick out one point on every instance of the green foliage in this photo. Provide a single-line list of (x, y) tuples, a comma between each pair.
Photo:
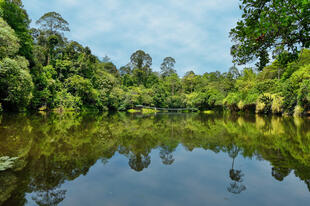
[(298, 111), (67, 76), (303, 97), (83, 88), (66, 101), (9, 43), (56, 138), (148, 111), (14, 14), (133, 111), (264, 104), (279, 26), (45, 87), (277, 104), (116, 99), (295, 88), (141, 63), (111, 68), (7, 162), (15, 84)]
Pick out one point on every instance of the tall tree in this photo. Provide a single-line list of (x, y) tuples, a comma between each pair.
[(50, 35), (141, 60), (167, 67), (141, 63), (53, 22), (277, 26)]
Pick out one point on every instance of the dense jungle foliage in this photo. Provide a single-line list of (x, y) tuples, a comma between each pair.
[(40, 69)]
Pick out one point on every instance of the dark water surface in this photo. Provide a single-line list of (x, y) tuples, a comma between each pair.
[(163, 159)]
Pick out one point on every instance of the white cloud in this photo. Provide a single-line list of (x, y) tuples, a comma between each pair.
[(195, 33)]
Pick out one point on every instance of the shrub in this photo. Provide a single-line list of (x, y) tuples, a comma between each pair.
[(303, 97), (264, 104), (66, 101), (241, 105), (277, 104), (15, 83)]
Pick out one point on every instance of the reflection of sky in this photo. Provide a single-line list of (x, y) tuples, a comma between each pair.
[(195, 33), (195, 178)]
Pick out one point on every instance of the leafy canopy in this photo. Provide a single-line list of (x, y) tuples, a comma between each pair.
[(277, 26), (8, 41), (53, 22)]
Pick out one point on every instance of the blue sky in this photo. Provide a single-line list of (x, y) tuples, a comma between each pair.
[(194, 32)]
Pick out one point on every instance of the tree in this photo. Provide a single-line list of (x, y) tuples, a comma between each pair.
[(53, 22), (173, 83), (15, 84), (8, 41), (111, 68), (13, 13), (125, 70), (141, 60), (277, 26), (167, 67), (83, 88), (189, 81), (141, 63)]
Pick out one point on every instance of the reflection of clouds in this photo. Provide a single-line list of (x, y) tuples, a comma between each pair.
[(198, 176), (195, 178)]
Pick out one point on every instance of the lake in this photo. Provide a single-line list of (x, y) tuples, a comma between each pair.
[(161, 159)]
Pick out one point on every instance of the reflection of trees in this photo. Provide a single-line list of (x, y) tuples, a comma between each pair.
[(236, 187), (53, 149), (8, 183), (47, 177), (279, 173), (166, 155), (50, 197), (138, 162)]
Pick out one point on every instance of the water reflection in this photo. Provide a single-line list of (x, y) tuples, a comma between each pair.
[(53, 149), (236, 187)]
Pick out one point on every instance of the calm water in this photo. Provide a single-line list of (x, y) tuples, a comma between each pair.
[(163, 159)]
